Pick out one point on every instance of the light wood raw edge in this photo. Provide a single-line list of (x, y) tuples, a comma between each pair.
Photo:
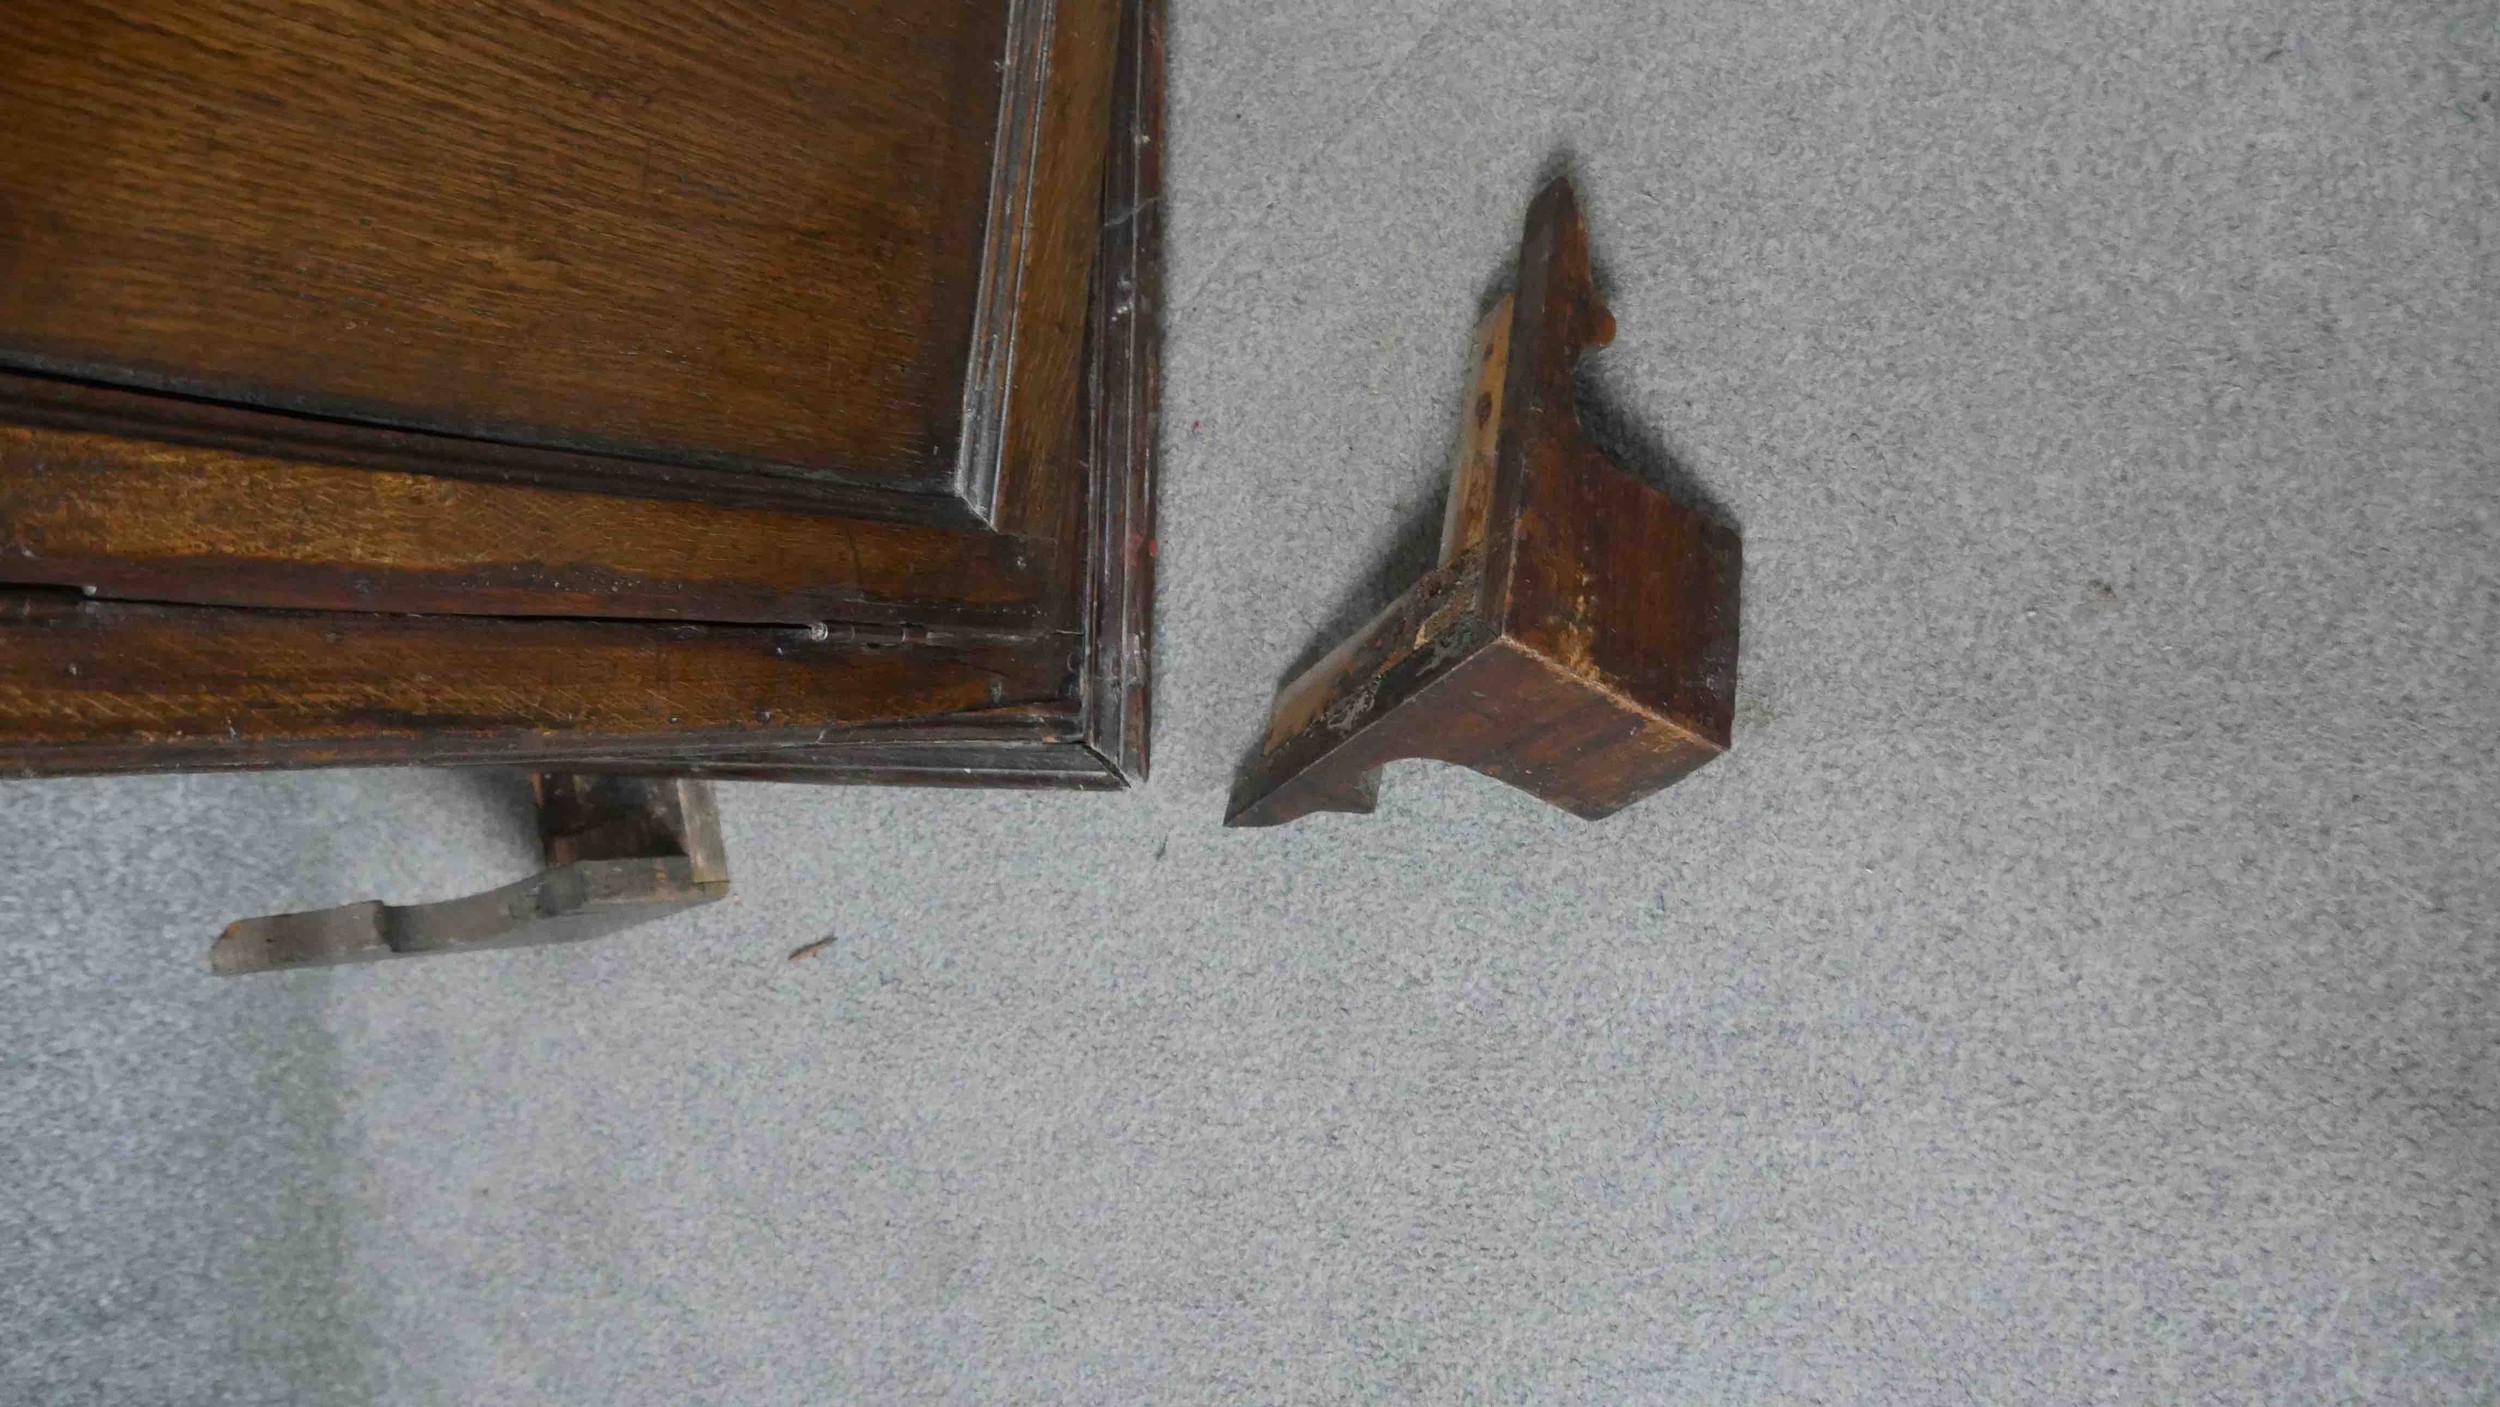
[(1479, 434)]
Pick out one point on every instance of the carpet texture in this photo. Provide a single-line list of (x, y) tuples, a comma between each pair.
[(2081, 983)]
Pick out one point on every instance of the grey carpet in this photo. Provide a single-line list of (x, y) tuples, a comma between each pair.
[(2080, 984)]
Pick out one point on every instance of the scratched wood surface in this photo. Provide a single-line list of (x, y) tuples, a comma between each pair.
[(95, 685), (1043, 424), (742, 232), (1125, 390)]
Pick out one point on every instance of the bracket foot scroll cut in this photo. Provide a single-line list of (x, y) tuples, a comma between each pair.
[(620, 851)]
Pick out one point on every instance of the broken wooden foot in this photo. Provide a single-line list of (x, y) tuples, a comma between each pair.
[(620, 851), (1578, 639)]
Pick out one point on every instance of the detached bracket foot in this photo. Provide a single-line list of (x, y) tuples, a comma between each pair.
[(620, 851), (1577, 640)]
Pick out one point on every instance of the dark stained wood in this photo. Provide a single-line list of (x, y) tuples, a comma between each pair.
[(97, 504), (1101, 738), (620, 851), (966, 658), (1126, 391), (1043, 424), (749, 236), (1053, 698), (157, 418), (108, 686), (748, 230), (1578, 640), (1479, 434)]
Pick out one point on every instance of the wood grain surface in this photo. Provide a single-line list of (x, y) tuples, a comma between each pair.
[(1479, 439), (968, 655), (86, 504), (738, 232)]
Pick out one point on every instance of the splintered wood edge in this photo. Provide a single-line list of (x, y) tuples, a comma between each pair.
[(1479, 433)]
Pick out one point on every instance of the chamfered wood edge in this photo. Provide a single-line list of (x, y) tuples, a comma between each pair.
[(1005, 243), (1110, 747), (1041, 424), (86, 503), (1017, 766)]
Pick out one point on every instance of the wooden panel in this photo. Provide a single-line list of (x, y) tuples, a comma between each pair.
[(1125, 390), (88, 686), (153, 520), (99, 686), (739, 232)]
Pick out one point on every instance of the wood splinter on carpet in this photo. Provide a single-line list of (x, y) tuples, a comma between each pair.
[(809, 950)]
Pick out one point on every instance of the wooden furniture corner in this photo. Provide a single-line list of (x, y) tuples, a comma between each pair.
[(692, 388), (1578, 638)]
